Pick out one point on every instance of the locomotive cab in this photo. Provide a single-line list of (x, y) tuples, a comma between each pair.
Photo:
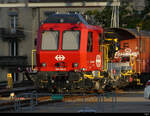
[(68, 47)]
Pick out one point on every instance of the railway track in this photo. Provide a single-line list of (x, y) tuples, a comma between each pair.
[(19, 87), (28, 97)]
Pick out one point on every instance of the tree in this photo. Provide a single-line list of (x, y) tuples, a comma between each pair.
[(99, 18), (146, 16), (147, 8), (104, 17), (127, 18)]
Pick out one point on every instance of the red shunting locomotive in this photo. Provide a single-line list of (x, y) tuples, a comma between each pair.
[(68, 49)]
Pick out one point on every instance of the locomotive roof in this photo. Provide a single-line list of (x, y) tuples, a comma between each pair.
[(65, 18), (125, 33), (69, 18), (142, 32)]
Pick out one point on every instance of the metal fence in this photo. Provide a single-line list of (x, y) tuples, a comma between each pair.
[(87, 102), (25, 101)]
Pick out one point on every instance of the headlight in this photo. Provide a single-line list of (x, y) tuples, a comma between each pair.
[(75, 64), (52, 81), (67, 81), (83, 69), (44, 64)]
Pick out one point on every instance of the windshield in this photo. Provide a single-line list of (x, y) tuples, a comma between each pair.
[(50, 40), (71, 40)]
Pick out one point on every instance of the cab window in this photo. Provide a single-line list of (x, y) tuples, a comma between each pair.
[(50, 40), (71, 40), (90, 42)]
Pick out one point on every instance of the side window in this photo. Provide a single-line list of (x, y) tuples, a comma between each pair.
[(90, 42), (13, 20)]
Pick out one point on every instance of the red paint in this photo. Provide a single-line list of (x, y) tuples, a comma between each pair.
[(84, 59)]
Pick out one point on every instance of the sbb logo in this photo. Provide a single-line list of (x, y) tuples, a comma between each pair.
[(60, 57)]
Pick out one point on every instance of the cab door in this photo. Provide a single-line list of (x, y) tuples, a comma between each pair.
[(91, 55)]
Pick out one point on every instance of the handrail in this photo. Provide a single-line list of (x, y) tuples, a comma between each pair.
[(106, 59), (33, 51)]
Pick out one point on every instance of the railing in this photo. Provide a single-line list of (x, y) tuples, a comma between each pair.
[(30, 100), (33, 52), (13, 61), (7, 34), (25, 99)]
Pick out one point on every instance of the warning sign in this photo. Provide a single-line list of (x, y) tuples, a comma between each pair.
[(98, 60), (9, 75)]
